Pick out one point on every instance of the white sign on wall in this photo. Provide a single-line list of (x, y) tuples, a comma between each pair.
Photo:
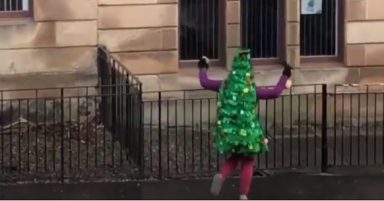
[(25, 5), (311, 7)]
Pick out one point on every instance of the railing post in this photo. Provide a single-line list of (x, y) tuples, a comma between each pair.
[(128, 119), (160, 138), (2, 131), (113, 100), (103, 80), (324, 140), (62, 132), (141, 133)]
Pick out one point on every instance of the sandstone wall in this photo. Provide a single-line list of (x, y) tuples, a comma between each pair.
[(364, 33), (143, 34), (61, 37)]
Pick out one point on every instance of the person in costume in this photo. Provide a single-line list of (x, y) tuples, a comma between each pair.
[(237, 132)]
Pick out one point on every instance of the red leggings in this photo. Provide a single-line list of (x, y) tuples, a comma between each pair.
[(246, 171)]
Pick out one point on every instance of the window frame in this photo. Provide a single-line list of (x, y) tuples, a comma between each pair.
[(340, 37), (18, 14), (281, 34), (220, 61)]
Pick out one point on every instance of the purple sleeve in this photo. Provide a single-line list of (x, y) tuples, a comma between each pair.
[(265, 93), (206, 83)]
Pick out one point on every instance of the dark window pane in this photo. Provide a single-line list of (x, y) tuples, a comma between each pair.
[(8, 5), (2, 5), (259, 27), (11, 5), (318, 31), (199, 29), (19, 5)]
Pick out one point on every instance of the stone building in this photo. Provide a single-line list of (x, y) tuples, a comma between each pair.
[(342, 41)]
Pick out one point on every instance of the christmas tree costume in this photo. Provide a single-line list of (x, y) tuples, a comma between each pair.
[(238, 132), (238, 129)]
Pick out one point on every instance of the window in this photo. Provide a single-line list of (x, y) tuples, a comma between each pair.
[(320, 32), (261, 25), (15, 8), (200, 21)]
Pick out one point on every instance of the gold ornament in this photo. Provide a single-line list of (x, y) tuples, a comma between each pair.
[(246, 90), (253, 125), (243, 132)]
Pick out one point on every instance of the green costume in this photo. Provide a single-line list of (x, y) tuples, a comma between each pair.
[(238, 130)]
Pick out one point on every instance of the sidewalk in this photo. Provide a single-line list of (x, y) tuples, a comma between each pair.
[(286, 186)]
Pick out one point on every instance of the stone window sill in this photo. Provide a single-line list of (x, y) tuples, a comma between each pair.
[(322, 64), (15, 21)]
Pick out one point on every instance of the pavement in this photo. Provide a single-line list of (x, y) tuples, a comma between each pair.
[(284, 186)]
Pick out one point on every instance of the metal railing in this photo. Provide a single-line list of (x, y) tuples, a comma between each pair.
[(311, 128), (357, 129), (115, 131), (178, 141), (121, 104), (73, 133)]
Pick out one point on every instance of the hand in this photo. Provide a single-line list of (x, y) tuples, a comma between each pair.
[(287, 70), (264, 141), (265, 146), (288, 84), (203, 63)]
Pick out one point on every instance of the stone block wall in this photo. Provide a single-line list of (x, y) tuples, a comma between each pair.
[(363, 29), (143, 34), (62, 36), (364, 33), (292, 31), (233, 29)]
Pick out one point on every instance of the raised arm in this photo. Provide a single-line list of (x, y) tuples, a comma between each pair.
[(265, 93), (207, 83)]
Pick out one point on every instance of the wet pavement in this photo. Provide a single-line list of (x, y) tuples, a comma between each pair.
[(286, 186)]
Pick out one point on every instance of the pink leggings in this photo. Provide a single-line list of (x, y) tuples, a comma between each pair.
[(246, 171)]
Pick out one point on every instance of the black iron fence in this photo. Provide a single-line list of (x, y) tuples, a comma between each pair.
[(75, 133), (357, 117), (115, 131), (121, 104), (310, 128), (178, 141)]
